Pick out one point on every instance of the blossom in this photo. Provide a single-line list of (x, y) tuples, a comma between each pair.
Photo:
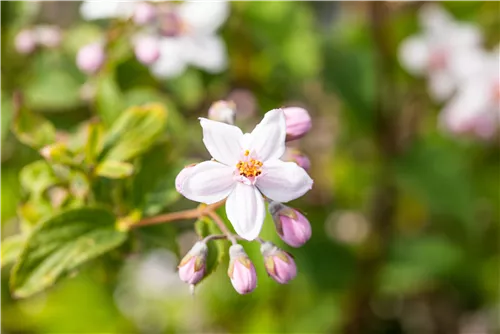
[(185, 34), (241, 270), (279, 264), (430, 53), (475, 108), (245, 167), (47, 36), (298, 122), (292, 227), (192, 266), (90, 58)]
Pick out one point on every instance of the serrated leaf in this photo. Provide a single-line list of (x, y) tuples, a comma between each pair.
[(134, 132), (114, 169), (216, 248), (62, 243), (32, 129), (11, 248)]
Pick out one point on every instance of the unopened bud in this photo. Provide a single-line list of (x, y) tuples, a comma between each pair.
[(183, 175), (192, 266), (298, 122), (294, 155), (222, 111), (241, 270), (146, 50), (144, 13), (90, 58), (25, 42), (279, 264), (292, 227)]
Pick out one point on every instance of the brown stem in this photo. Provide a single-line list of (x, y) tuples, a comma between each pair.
[(181, 215), (222, 226)]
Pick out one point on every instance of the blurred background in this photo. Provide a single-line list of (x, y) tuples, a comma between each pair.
[(404, 209)]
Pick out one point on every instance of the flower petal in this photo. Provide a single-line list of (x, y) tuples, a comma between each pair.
[(283, 181), (172, 59), (268, 137), (207, 52), (245, 210), (441, 84), (96, 10), (208, 182), (414, 54), (204, 17), (222, 141)]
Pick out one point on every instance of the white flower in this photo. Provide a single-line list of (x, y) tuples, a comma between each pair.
[(245, 167), (187, 36), (184, 34), (476, 106), (431, 52), (96, 10)]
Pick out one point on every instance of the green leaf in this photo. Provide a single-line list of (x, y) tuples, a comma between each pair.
[(158, 236), (109, 99), (32, 129), (134, 132), (216, 248), (114, 169), (62, 243), (93, 146), (37, 177), (7, 113), (11, 248)]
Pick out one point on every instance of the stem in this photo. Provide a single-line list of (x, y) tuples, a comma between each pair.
[(222, 226), (214, 237), (181, 215)]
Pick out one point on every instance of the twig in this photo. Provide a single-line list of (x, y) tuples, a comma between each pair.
[(222, 226), (181, 215)]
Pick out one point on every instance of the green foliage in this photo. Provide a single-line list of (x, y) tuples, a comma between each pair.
[(32, 129), (134, 132), (216, 248), (61, 244), (11, 248), (114, 169)]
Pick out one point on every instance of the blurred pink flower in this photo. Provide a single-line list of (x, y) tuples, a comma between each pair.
[(298, 122), (475, 108), (430, 53), (25, 41), (90, 58), (146, 49)]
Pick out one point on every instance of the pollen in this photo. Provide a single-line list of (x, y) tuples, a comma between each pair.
[(249, 168)]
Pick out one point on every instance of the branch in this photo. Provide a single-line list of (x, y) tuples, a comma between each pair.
[(180, 215)]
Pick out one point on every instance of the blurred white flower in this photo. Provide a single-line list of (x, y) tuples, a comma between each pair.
[(431, 52), (475, 108), (96, 10), (185, 33)]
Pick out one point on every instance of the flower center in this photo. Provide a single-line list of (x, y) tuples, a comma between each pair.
[(249, 167)]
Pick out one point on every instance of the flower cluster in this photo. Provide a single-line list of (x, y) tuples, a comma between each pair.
[(246, 171), (460, 71), (168, 36), (46, 36)]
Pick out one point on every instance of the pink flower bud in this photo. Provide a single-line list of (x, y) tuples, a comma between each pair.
[(183, 174), (222, 111), (48, 36), (192, 266), (291, 225), (279, 264), (144, 13), (90, 58), (298, 122), (241, 270), (294, 155), (146, 50), (25, 42)]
